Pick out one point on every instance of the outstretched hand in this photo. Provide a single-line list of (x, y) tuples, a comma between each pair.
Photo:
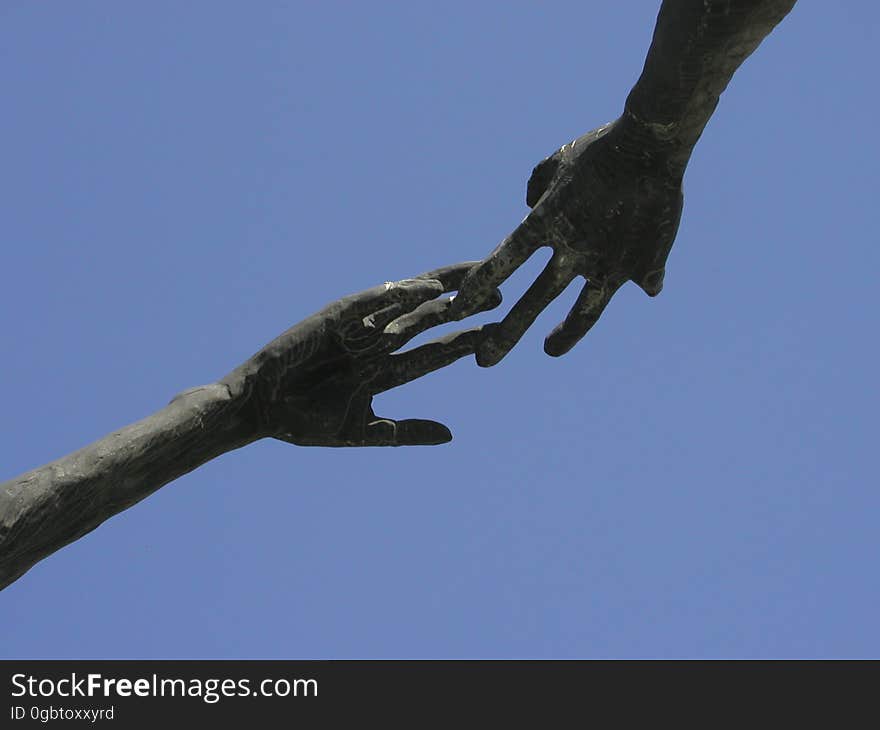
[(314, 385), (609, 207)]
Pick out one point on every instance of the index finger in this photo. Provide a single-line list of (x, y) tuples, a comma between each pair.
[(450, 276), (481, 282), (399, 369), (407, 293)]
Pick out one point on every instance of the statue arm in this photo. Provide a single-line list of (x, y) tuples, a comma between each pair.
[(609, 203), (47, 508), (311, 386), (696, 48)]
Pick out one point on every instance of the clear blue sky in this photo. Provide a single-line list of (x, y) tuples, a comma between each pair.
[(698, 478)]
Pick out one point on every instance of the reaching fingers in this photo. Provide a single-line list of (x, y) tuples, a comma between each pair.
[(381, 319), (363, 317), (487, 276), (590, 304), (408, 293), (428, 315), (406, 366), (449, 276), (360, 335), (432, 310), (549, 285)]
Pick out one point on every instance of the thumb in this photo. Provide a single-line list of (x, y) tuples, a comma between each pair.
[(409, 432), (541, 178)]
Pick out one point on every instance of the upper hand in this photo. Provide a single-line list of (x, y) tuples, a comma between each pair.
[(608, 204), (314, 385)]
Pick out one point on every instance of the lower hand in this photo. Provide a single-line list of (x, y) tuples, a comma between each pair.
[(314, 385)]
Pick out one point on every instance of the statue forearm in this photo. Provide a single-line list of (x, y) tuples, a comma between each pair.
[(49, 507), (313, 385), (697, 47)]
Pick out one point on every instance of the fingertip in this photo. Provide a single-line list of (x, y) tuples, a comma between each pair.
[(450, 276), (477, 292), (429, 288), (419, 432), (443, 436), (411, 293), (460, 308), (490, 353), (472, 300), (557, 344), (494, 300)]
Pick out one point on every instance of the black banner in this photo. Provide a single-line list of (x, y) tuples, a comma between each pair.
[(131, 693)]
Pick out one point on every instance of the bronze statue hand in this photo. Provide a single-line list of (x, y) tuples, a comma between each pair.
[(314, 385), (610, 202), (610, 215)]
